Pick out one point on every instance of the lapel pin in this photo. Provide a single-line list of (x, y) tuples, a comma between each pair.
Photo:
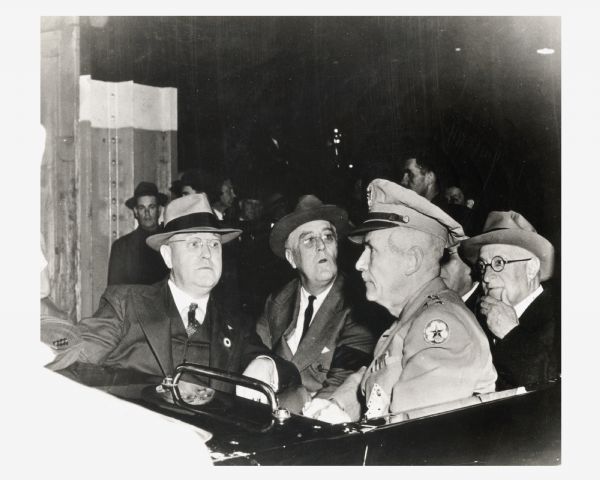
[(227, 342), (229, 327)]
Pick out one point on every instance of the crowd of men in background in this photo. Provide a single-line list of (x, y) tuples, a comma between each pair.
[(418, 306)]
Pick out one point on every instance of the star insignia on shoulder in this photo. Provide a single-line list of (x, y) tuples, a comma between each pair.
[(436, 332)]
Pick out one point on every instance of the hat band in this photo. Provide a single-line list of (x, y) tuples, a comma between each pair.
[(193, 220), (392, 217)]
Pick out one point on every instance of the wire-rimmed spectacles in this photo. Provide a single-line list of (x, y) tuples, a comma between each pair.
[(328, 238), (497, 264), (195, 244)]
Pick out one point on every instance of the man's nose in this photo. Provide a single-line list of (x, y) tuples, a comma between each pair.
[(205, 251), (488, 274), (320, 243), (361, 262)]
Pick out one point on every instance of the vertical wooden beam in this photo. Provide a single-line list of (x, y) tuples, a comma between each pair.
[(59, 114)]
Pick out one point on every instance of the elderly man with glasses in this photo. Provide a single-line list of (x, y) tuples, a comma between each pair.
[(310, 321), (516, 311)]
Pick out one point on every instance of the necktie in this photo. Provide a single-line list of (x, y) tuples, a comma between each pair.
[(308, 313), (193, 324)]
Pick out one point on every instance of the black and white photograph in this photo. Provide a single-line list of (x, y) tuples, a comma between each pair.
[(301, 239)]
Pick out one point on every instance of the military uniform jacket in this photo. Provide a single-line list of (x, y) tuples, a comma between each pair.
[(434, 353), (335, 345), (135, 325)]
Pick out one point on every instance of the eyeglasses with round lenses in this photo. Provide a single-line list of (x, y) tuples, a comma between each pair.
[(196, 244), (497, 264), (310, 241)]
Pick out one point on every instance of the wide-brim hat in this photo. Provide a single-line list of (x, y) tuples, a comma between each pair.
[(391, 205), (189, 214), (511, 228), (309, 208), (146, 189)]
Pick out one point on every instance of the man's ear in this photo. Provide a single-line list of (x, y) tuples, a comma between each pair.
[(135, 214), (414, 256), (165, 251), (533, 267), (289, 256)]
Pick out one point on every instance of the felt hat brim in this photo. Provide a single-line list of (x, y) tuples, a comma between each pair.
[(227, 234), (287, 224)]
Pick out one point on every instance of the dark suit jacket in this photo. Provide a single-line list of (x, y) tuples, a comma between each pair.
[(334, 346), (132, 329), (132, 261), (529, 353)]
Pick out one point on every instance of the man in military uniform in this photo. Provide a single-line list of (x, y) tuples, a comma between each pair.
[(436, 351)]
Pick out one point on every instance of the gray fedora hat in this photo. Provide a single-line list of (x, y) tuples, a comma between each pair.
[(188, 214), (309, 208), (511, 228)]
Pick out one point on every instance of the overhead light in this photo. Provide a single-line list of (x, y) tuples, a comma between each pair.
[(457, 49), (545, 51), (350, 166)]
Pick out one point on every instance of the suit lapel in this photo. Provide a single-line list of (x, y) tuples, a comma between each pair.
[(284, 320), (321, 329), (223, 333), (154, 314)]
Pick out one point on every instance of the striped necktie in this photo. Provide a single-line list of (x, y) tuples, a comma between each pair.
[(193, 324)]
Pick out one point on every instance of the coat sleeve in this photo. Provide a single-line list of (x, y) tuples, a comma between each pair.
[(526, 357), (97, 335), (347, 395), (354, 349), (436, 373), (253, 347)]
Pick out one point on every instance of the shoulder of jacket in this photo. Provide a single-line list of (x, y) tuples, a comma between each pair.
[(284, 293)]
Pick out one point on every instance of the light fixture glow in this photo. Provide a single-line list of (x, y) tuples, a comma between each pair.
[(545, 51), (457, 49)]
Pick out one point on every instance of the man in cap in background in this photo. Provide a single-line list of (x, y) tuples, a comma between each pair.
[(310, 320), (131, 260), (152, 329), (516, 311), (435, 351)]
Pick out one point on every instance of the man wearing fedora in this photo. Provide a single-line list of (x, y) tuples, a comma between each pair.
[(435, 351), (516, 311), (131, 260), (187, 317), (310, 320)]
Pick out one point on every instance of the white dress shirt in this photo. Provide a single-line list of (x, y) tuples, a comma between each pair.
[(294, 340), (182, 302), (523, 304)]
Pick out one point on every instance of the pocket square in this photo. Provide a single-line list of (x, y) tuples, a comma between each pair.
[(325, 350)]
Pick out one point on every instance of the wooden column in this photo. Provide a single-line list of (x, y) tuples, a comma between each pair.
[(129, 134), (102, 139), (60, 67)]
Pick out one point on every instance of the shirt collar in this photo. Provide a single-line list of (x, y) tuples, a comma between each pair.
[(318, 298), (466, 296), (182, 301), (523, 304)]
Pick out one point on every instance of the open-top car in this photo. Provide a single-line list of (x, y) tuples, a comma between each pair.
[(513, 427)]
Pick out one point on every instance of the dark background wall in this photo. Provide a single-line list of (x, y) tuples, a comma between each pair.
[(473, 86)]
